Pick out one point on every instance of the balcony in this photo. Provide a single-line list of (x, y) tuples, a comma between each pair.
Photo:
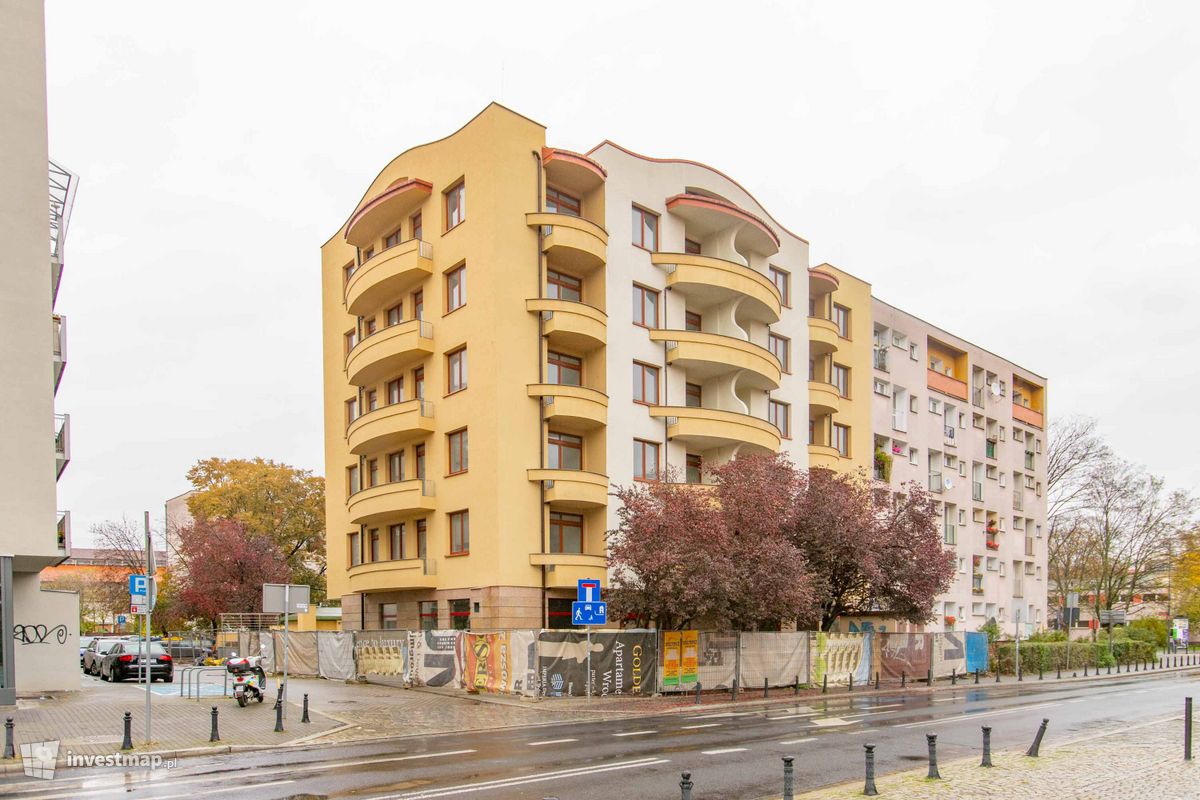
[(823, 398), (1028, 416), (62, 442), (1018, 500), (388, 427), (570, 488), (390, 500), (989, 448), (880, 359), (992, 544), (705, 428), (572, 408), (387, 275), (709, 215), (377, 217), (565, 570), (977, 584), (824, 456), (385, 576), (711, 355), (64, 534), (977, 491), (823, 336), (1029, 459), (1028, 546), (945, 384), (935, 482), (389, 351), (575, 326), (950, 533), (705, 281), (59, 347), (948, 434), (573, 242)]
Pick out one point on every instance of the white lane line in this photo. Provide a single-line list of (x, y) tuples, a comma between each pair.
[(830, 722), (944, 699), (856, 733), (505, 783), (799, 741), (550, 741), (793, 716), (724, 714), (634, 733), (723, 750), (222, 790), (969, 717), (702, 725), (1077, 700)]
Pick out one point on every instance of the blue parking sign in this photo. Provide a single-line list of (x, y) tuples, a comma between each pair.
[(138, 585), (120, 619), (589, 613)]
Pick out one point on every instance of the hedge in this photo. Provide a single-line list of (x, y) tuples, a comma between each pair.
[(1051, 656)]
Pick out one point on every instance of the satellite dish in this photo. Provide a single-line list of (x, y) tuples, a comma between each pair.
[(995, 387), (949, 484)]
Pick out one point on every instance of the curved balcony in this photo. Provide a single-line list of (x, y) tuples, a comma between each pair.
[(824, 456), (570, 488), (572, 171), (709, 427), (709, 214), (387, 275), (570, 568), (388, 351), (379, 215), (573, 242), (821, 281), (823, 398), (387, 576), (710, 355), (822, 336), (387, 427), (390, 500), (576, 326), (706, 281), (572, 408)]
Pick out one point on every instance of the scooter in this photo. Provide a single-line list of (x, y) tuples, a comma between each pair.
[(250, 680)]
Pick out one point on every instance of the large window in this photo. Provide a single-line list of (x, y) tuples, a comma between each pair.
[(566, 532), (456, 288), (564, 370), (841, 318), (780, 415), (645, 307), (693, 321), (416, 225), (456, 443), (392, 239), (695, 468), (373, 472), (394, 315), (354, 542), (350, 339), (419, 457), (645, 228), (419, 383), (418, 305), (564, 451), (388, 618), (645, 384), (460, 615), (396, 545), (559, 202), (783, 282), (456, 204), (460, 533), (396, 466), (422, 540), (352, 484), (395, 391), (560, 286), (841, 439), (373, 545), (840, 377), (429, 615), (692, 246), (781, 347), (456, 371), (645, 460), (351, 410)]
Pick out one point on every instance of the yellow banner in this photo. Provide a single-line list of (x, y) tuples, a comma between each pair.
[(671, 640), (690, 656)]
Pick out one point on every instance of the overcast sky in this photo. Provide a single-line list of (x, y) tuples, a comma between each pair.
[(1024, 175)]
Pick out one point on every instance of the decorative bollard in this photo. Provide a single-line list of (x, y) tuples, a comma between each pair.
[(1187, 729), (788, 778), (1058, 674), (997, 673), (824, 683), (697, 692), (953, 676), (685, 786), (976, 676), (1039, 671), (304, 716), (9, 751), (929, 677), (851, 682), (877, 680), (766, 688), (127, 742), (214, 736), (869, 785), (1085, 670), (279, 716), (796, 686), (733, 689), (1037, 740), (903, 679), (1110, 669), (1136, 665), (987, 747), (931, 740)]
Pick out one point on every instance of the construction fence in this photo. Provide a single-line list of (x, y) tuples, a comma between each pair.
[(632, 662)]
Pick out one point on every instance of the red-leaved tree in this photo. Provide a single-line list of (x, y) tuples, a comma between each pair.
[(226, 567)]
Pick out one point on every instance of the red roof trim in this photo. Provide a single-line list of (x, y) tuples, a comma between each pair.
[(558, 154), (396, 188), (703, 201)]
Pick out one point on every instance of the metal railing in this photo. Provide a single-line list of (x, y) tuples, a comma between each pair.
[(881, 359), (935, 482), (1028, 459), (977, 491), (191, 677), (64, 531), (1018, 500)]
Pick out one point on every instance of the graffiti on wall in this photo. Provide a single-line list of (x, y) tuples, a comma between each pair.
[(39, 634)]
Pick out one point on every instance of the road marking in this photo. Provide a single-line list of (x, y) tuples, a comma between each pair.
[(969, 717), (723, 750), (634, 733), (551, 741), (830, 722), (794, 716), (944, 699), (799, 741), (505, 783), (222, 790), (703, 725), (1077, 700), (726, 714)]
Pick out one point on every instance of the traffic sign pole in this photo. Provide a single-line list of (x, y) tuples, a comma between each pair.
[(146, 632)]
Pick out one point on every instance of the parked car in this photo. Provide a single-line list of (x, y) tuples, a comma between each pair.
[(124, 661), (84, 641), (95, 651)]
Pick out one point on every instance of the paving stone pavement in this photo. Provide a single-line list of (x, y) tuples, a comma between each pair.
[(1142, 762)]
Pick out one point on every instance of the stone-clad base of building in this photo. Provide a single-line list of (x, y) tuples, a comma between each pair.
[(491, 607)]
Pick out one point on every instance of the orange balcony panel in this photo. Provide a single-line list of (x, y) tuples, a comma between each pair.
[(1028, 416), (383, 576), (946, 385), (572, 488), (823, 456), (576, 326), (823, 336), (711, 213), (386, 275), (572, 408), (379, 215), (571, 170), (390, 500), (821, 282), (823, 398), (709, 355), (710, 427)]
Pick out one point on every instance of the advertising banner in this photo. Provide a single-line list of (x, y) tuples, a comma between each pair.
[(382, 653), (689, 665), (433, 658), (672, 644), (950, 654), (779, 657), (623, 663), (909, 654), (718, 659), (497, 663), (977, 651)]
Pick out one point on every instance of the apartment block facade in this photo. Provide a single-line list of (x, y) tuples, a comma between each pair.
[(39, 628), (511, 329)]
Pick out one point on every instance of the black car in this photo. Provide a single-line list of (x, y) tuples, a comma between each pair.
[(122, 661), (96, 651)]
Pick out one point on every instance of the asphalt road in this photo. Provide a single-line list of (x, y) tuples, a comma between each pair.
[(730, 753)]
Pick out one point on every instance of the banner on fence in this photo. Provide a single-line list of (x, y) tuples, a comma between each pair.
[(688, 664), (837, 656), (776, 657), (623, 663), (950, 654), (718, 659), (909, 654), (382, 653), (672, 655), (977, 651), (498, 662), (433, 658)]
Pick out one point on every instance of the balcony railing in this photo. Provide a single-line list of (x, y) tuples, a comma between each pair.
[(1018, 500), (935, 482), (881, 359), (948, 434), (977, 396), (977, 491), (1028, 546), (64, 532), (1028, 459), (990, 448), (950, 533)]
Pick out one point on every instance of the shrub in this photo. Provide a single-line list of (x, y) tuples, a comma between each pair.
[(1149, 630), (1050, 656)]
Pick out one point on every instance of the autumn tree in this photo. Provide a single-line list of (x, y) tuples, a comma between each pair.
[(1187, 575), (226, 566), (265, 498)]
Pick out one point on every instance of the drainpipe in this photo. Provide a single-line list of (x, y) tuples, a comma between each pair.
[(665, 382), (537, 205)]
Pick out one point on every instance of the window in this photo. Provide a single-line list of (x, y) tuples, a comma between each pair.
[(366, 254), (645, 460), (429, 615), (841, 318), (693, 321), (422, 540), (396, 535), (645, 229), (456, 204), (395, 391), (373, 472), (372, 400), (566, 532), (393, 239), (393, 315), (418, 305), (564, 451), (396, 466), (645, 307), (387, 617), (460, 615), (841, 439), (695, 468), (419, 383), (692, 246), (460, 533), (456, 371), (355, 544), (419, 457), (351, 410), (457, 445), (781, 348), (558, 613), (559, 202), (348, 272), (912, 455), (935, 406), (695, 395), (560, 286), (564, 370), (783, 282), (415, 220), (368, 327), (645, 383), (373, 544), (456, 288), (840, 377), (351, 339), (882, 388), (779, 415), (352, 485)]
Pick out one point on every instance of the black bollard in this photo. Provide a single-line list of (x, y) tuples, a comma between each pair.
[(1074, 674), (987, 747), (697, 692), (824, 683), (903, 678), (1039, 671), (685, 786), (214, 736), (931, 740), (733, 689), (852, 681), (1187, 729), (1058, 673), (279, 716), (953, 676), (127, 742), (977, 676), (796, 686), (997, 673), (1085, 670), (869, 786), (877, 680), (788, 778), (1110, 669), (304, 716), (766, 688), (1136, 666), (1037, 740), (929, 678), (9, 751)]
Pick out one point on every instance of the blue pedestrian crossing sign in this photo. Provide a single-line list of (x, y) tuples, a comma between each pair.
[(589, 613)]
